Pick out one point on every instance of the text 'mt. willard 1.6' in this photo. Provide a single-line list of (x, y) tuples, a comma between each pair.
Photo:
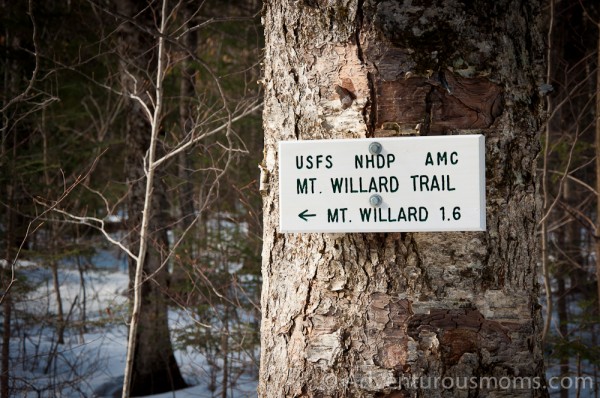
[(405, 184)]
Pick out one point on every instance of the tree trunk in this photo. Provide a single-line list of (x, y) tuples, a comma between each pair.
[(405, 314), (225, 350), (568, 239), (6, 334), (60, 317), (185, 187), (54, 236), (598, 173), (154, 367), (6, 280), (13, 222)]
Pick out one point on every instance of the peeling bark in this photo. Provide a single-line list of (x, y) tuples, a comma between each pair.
[(356, 314), (444, 103)]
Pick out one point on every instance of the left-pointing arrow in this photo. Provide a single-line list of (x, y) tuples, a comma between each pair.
[(305, 216)]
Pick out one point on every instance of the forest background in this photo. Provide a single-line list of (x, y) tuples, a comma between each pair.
[(99, 97)]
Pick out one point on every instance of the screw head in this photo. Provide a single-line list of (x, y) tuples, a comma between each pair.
[(375, 148), (376, 200)]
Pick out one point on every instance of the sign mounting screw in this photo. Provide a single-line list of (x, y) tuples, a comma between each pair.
[(376, 200), (375, 148)]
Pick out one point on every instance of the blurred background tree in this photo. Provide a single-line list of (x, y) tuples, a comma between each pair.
[(570, 185)]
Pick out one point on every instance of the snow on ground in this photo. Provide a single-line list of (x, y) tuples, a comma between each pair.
[(90, 363)]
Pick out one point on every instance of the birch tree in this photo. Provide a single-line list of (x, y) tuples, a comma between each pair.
[(388, 314), (150, 365), (569, 189), (145, 42)]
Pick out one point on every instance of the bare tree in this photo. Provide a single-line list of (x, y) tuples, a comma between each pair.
[(569, 188), (154, 46), (597, 143), (150, 364), (12, 191)]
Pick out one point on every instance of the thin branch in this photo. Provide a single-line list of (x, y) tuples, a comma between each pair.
[(581, 217), (13, 263), (97, 224), (138, 99), (544, 222), (148, 196), (194, 140), (33, 79), (575, 179), (49, 208), (559, 249), (215, 20), (548, 209)]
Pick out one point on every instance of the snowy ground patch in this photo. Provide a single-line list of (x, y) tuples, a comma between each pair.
[(90, 363)]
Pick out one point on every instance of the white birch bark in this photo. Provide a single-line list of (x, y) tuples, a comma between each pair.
[(143, 243)]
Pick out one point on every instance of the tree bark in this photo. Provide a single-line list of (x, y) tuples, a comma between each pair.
[(12, 192), (54, 236), (185, 187), (598, 173), (154, 367), (5, 279), (6, 334), (366, 315)]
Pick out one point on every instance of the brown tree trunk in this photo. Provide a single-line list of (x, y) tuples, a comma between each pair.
[(6, 279), (154, 367), (60, 317), (6, 333), (570, 254), (15, 223), (598, 173), (54, 236), (185, 187), (392, 314), (12, 194)]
